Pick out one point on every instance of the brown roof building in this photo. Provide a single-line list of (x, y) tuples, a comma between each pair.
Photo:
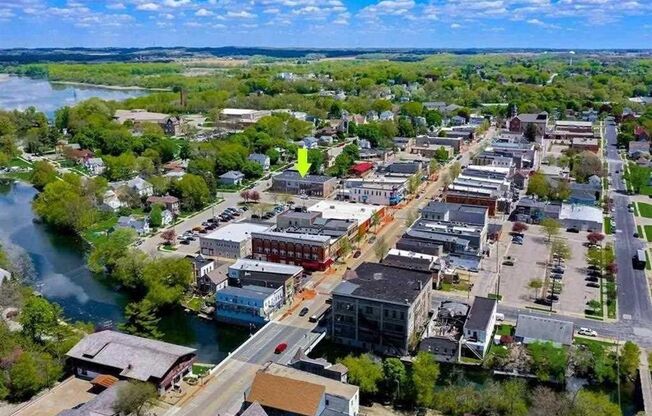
[(277, 394)]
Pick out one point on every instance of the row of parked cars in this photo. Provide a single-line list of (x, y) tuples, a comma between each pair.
[(269, 214)]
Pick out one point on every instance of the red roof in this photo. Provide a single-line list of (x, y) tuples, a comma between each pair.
[(362, 167)]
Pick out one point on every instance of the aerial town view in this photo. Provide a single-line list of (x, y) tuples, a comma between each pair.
[(325, 208)]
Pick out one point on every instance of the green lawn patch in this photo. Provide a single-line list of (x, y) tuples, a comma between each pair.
[(20, 176), (639, 230), (644, 210), (20, 163), (608, 228), (580, 340), (462, 286), (648, 232), (99, 231), (646, 190), (504, 329), (201, 369), (495, 296), (194, 304)]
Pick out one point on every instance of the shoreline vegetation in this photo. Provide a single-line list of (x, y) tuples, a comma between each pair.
[(6, 76)]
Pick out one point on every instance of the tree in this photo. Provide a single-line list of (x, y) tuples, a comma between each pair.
[(411, 217), (381, 248), (166, 279), (155, 216), (441, 154), (638, 176), (39, 318), (425, 372), (548, 362), (129, 269), (141, 320), (42, 174), (595, 306), (589, 403), (535, 284), (316, 159), (550, 227), (538, 185), (245, 195), (192, 190), (24, 376), (106, 253), (169, 236), (375, 220), (364, 372), (254, 195), (134, 397), (455, 170), (530, 132), (395, 378), (560, 248), (548, 403), (629, 360), (519, 227), (595, 237)]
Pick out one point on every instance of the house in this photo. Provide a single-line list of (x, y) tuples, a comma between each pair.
[(340, 398), (129, 357), (386, 116), (100, 405), (444, 338), (457, 121), (531, 329), (232, 178), (209, 276), (364, 144), (167, 217), (362, 168), (202, 265), (95, 165), (141, 226), (309, 143), (638, 149), (247, 305), (285, 396), (171, 125), (111, 202), (479, 326), (169, 202), (250, 272), (139, 185), (428, 141), (381, 308), (230, 241), (261, 159), (291, 182)]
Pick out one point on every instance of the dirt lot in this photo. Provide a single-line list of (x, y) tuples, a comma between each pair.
[(530, 259), (68, 394)]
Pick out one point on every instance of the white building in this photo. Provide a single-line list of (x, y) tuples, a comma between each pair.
[(231, 241), (479, 325)]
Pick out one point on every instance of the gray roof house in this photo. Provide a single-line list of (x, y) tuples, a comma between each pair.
[(531, 329), (141, 226), (261, 159), (232, 177), (100, 405), (129, 357)]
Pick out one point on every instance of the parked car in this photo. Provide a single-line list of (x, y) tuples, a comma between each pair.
[(557, 276), (587, 332), (572, 230), (184, 242), (244, 209), (303, 312), (280, 348), (508, 262), (558, 270), (593, 284), (357, 254), (255, 217)]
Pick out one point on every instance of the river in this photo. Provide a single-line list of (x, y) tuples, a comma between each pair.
[(60, 274), (19, 93)]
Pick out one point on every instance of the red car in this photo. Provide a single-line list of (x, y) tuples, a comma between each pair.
[(280, 348)]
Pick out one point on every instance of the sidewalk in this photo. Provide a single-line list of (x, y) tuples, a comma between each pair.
[(646, 383)]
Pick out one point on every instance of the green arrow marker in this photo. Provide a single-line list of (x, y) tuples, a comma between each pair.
[(302, 164)]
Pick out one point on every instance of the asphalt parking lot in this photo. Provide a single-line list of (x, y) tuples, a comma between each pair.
[(529, 263)]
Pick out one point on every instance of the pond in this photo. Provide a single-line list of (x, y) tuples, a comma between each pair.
[(60, 274), (19, 93)]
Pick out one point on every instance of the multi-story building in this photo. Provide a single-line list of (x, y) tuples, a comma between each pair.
[(311, 251), (240, 118), (247, 305), (520, 123), (312, 185), (447, 212), (231, 241), (248, 272), (377, 190), (454, 142), (381, 308), (479, 325)]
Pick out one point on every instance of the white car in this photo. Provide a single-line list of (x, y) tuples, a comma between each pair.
[(587, 332)]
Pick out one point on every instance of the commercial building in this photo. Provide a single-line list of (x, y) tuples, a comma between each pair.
[(581, 217), (312, 185), (531, 329), (361, 214), (591, 144), (230, 241), (449, 212), (485, 186), (247, 305), (433, 141), (240, 118), (521, 122), (437, 238), (248, 272), (171, 125), (381, 308), (311, 251), (377, 190), (128, 357), (479, 325)]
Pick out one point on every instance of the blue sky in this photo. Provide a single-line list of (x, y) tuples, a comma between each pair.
[(327, 23)]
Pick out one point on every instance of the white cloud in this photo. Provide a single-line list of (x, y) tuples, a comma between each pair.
[(116, 6), (203, 13), (148, 7), (176, 3), (242, 14), (456, 26)]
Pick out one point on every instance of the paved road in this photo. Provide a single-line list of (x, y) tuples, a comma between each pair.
[(633, 292)]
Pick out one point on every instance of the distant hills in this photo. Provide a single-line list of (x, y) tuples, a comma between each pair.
[(163, 54)]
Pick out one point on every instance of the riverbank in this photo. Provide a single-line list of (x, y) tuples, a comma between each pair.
[(109, 87)]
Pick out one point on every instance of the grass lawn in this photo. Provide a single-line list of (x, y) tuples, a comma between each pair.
[(194, 303), (21, 176), (580, 340), (639, 230), (504, 329), (18, 162), (646, 190), (98, 231), (494, 296), (608, 229), (201, 369), (648, 232), (644, 210), (462, 286)]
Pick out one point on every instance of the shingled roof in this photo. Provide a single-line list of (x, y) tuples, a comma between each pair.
[(286, 394)]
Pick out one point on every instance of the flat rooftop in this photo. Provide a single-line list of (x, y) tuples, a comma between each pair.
[(338, 210), (236, 232), (265, 266)]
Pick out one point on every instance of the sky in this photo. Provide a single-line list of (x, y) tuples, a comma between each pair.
[(591, 24)]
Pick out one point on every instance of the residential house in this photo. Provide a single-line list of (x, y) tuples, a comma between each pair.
[(230, 241), (520, 123), (285, 396), (479, 326), (247, 305), (95, 165), (167, 217), (232, 178), (129, 357), (530, 328), (261, 159), (209, 275), (381, 308), (139, 185), (169, 202), (638, 149), (141, 226), (111, 202), (362, 168), (386, 116)]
